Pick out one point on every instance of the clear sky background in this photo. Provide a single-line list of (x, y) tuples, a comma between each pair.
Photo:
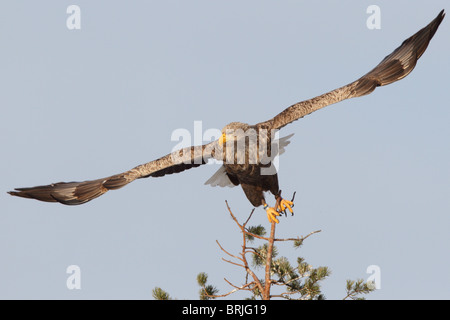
[(372, 172)]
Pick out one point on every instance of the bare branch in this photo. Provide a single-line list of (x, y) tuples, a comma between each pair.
[(301, 238), (231, 255), (232, 291), (244, 287), (251, 213), (236, 264)]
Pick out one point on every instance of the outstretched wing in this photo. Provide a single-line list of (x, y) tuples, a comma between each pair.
[(73, 193), (392, 68)]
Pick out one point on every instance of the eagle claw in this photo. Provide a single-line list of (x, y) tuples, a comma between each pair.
[(285, 204), (271, 214)]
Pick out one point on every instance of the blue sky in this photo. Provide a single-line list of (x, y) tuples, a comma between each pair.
[(372, 172)]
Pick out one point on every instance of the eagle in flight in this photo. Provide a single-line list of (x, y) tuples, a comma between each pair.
[(246, 150)]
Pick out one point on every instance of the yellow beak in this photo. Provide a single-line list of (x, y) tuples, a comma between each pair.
[(223, 139)]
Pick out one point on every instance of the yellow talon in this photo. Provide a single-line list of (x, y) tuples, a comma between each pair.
[(271, 214), (285, 204)]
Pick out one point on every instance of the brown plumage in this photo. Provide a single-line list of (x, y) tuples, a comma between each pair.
[(392, 68)]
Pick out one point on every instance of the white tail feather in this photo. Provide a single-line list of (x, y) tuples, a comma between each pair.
[(220, 179)]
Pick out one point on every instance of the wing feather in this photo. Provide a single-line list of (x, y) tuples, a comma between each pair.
[(393, 67), (74, 193)]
